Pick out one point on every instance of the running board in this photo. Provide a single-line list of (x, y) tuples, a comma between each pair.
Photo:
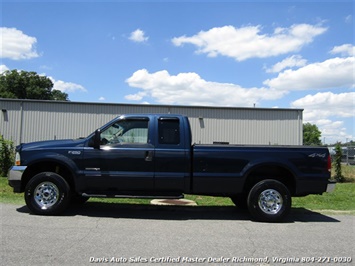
[(134, 196)]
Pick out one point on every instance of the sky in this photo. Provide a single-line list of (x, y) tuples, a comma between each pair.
[(267, 54)]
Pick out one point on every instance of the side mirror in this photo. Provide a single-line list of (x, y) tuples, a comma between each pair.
[(97, 139)]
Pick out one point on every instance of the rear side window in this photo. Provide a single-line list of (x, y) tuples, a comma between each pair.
[(169, 131)]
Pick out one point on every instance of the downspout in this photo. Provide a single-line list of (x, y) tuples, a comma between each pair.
[(21, 123), (300, 127)]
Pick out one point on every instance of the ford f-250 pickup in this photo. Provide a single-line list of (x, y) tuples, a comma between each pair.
[(152, 156)]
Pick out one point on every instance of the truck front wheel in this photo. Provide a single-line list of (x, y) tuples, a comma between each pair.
[(47, 193), (269, 201)]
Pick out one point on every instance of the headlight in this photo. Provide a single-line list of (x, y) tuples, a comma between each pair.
[(17, 159)]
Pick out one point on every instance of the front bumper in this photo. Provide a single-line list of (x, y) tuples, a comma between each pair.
[(15, 176), (330, 186)]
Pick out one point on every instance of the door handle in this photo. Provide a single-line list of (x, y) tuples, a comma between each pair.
[(149, 156)]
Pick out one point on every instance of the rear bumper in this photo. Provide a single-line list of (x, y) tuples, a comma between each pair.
[(331, 186), (312, 185), (15, 177)]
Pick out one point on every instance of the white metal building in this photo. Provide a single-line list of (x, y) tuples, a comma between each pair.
[(33, 120)]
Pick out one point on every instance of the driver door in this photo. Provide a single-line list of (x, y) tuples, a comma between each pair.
[(124, 163)]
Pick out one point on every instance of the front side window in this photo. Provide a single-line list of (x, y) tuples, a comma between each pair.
[(126, 132)]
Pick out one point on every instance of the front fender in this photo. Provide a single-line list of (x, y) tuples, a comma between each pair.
[(48, 161), (52, 157)]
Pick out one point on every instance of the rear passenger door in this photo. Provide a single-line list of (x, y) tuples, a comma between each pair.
[(171, 166)]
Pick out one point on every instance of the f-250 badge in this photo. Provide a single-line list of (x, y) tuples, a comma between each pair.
[(74, 152)]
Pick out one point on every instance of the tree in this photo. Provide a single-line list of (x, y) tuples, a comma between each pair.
[(28, 85), (311, 134)]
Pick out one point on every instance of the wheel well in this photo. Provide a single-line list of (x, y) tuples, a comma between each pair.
[(275, 172), (47, 166)]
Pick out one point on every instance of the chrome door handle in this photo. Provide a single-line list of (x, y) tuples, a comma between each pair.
[(149, 156)]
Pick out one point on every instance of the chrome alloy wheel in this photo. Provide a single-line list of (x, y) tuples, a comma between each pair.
[(46, 195), (270, 201)]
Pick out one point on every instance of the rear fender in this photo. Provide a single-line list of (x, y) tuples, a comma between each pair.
[(268, 169)]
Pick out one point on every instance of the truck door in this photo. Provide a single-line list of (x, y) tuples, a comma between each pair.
[(171, 166), (124, 161)]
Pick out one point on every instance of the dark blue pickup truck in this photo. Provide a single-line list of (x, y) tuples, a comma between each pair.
[(152, 156)]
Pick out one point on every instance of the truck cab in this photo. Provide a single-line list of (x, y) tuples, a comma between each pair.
[(139, 155)]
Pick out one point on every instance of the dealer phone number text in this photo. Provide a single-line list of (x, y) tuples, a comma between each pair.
[(325, 260)]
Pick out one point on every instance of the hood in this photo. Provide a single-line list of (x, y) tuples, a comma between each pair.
[(51, 144)]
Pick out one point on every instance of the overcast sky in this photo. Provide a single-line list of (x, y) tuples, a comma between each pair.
[(280, 54)]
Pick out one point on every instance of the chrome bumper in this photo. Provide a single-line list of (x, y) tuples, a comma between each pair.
[(14, 176), (15, 173), (331, 186)]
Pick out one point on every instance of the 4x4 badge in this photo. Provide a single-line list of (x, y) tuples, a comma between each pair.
[(321, 155)]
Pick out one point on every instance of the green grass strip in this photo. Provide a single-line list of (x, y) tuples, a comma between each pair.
[(341, 199)]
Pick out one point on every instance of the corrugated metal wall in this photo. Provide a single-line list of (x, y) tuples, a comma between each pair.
[(30, 120)]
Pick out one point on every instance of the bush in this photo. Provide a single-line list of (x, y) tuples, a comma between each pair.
[(337, 163), (6, 155)]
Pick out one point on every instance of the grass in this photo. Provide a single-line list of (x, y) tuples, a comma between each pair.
[(342, 198), (348, 171), (6, 194)]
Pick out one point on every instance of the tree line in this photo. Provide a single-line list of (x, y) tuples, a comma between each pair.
[(16, 84)]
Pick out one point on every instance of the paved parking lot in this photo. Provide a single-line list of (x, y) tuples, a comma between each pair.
[(169, 235)]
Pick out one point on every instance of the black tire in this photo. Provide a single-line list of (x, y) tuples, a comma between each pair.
[(269, 201), (240, 201), (47, 193)]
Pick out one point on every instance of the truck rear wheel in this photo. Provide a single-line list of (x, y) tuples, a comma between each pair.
[(269, 201), (47, 193)]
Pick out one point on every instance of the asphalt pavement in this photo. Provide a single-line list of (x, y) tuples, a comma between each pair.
[(103, 233)]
